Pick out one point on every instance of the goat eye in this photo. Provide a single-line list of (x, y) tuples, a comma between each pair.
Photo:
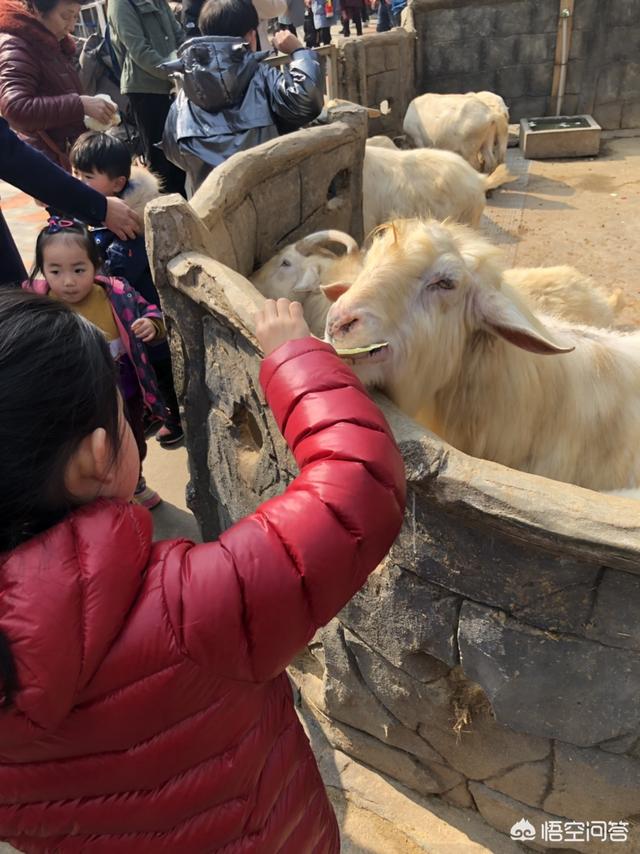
[(285, 262), (443, 284)]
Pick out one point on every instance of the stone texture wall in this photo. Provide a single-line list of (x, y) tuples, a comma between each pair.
[(509, 47), (494, 657), (604, 72)]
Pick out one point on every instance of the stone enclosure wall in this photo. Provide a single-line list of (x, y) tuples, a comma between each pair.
[(494, 657), (510, 47)]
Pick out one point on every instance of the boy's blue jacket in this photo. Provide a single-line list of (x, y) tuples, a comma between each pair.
[(230, 101), (127, 259)]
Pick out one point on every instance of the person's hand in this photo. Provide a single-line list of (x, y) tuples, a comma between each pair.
[(99, 109), (121, 219), (144, 329), (286, 42), (279, 322)]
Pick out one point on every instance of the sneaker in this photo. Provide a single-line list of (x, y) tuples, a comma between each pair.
[(151, 424), (170, 434), (145, 496)]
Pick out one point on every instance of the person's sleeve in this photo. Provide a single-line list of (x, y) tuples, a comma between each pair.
[(295, 91), (125, 20), (33, 173), (22, 105), (269, 9), (245, 604)]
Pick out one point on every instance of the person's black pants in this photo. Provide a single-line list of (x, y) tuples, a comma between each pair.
[(324, 35), (150, 113), (164, 376), (356, 17)]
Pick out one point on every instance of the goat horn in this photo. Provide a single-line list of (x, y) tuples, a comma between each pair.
[(307, 244)]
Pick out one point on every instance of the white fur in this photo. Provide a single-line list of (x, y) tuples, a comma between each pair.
[(422, 182), (565, 292), (474, 125), (456, 362), (143, 187), (300, 277)]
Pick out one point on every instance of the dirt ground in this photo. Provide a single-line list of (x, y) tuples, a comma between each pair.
[(583, 212)]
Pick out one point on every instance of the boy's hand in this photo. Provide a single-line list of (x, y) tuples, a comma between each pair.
[(279, 322), (286, 42), (144, 329)]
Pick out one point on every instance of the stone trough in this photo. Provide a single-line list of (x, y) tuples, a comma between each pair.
[(560, 136), (494, 657)]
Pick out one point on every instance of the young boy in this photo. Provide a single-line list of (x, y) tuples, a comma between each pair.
[(229, 100), (104, 163)]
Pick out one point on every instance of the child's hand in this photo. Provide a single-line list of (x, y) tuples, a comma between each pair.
[(286, 42), (279, 322), (144, 329)]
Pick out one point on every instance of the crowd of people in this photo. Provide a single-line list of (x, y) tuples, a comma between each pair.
[(144, 703)]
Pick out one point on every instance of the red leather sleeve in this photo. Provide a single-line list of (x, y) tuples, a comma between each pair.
[(247, 603)]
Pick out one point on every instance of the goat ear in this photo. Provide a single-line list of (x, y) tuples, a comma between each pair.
[(334, 290), (505, 318)]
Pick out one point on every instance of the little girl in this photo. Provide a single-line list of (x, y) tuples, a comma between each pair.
[(69, 260), (146, 704)]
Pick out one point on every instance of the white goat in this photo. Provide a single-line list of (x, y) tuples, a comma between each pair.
[(565, 292), (422, 182), (468, 359), (298, 271), (474, 125)]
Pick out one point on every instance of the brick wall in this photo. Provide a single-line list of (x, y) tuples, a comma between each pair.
[(509, 47)]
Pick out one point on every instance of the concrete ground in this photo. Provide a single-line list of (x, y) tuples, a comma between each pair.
[(580, 212)]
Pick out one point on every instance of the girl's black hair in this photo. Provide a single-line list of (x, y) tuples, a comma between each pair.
[(57, 385), (73, 229), (228, 18)]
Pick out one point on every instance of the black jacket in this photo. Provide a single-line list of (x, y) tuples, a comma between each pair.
[(231, 101), (33, 173)]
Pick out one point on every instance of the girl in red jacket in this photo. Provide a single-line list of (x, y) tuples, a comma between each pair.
[(146, 704)]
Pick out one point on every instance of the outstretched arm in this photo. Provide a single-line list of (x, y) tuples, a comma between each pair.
[(244, 605)]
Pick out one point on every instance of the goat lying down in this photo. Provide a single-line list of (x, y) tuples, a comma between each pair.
[(300, 270), (459, 350), (424, 182), (474, 125)]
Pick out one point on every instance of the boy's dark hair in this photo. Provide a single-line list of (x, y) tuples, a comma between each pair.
[(57, 385), (228, 18), (94, 151), (73, 229)]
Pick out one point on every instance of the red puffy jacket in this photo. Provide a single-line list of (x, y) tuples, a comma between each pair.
[(39, 85), (154, 713)]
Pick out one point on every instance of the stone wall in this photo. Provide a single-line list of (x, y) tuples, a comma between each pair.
[(509, 47), (493, 659)]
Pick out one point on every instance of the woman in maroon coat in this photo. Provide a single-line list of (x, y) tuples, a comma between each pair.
[(147, 708), (40, 91)]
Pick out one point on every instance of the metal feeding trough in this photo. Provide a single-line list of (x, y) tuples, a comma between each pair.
[(559, 136)]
